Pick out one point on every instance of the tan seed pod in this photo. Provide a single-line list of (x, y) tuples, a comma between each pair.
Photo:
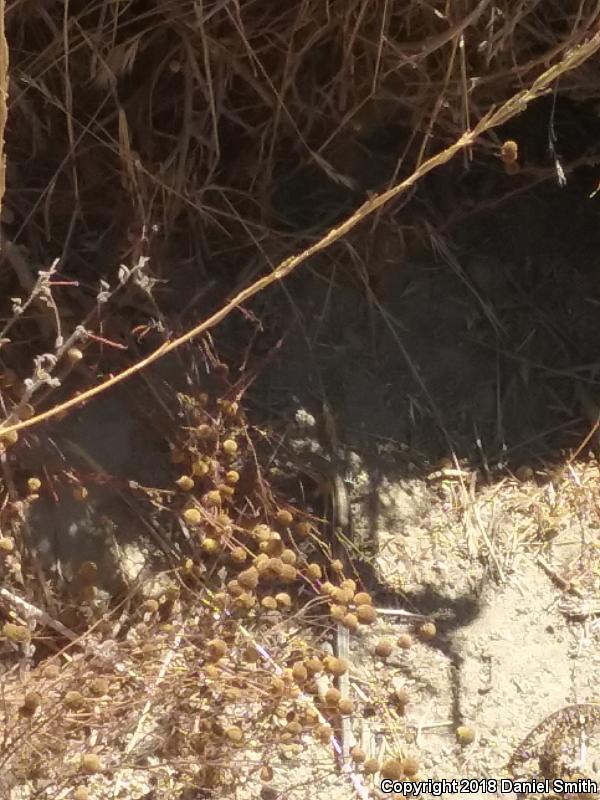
[(314, 572), (284, 517), (226, 490), (16, 633), (509, 152), (51, 671), (235, 588), (346, 706), (266, 773), (341, 596), (234, 734), (337, 566), (213, 498), (200, 468), (288, 557), (74, 699), (276, 566), (350, 621), (210, 545), (232, 477), (32, 701), (383, 648), (283, 600), (192, 516), (288, 573), (230, 447), (410, 767), (276, 687), (99, 686), (185, 483), (261, 532), (240, 555), (269, 602), (299, 672), (249, 578), (313, 665), (332, 696), (302, 530), (246, 600), (33, 485), (327, 588), (465, 735), (335, 666), (7, 545), (217, 648), (427, 631), (294, 728), (392, 769), (205, 431), (371, 766), (357, 754), (310, 717), (324, 733), (366, 614), (81, 793), (363, 599), (91, 763), (405, 641), (349, 585)]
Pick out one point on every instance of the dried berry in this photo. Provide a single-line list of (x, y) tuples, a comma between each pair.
[(335, 666), (314, 572), (74, 699), (300, 672), (34, 485), (324, 733), (192, 516), (392, 769), (185, 483), (410, 766), (427, 631), (283, 600), (99, 687), (217, 648), (405, 641), (465, 735), (346, 706), (332, 696), (366, 614), (313, 665), (371, 766), (230, 447), (350, 621), (234, 734), (32, 701), (90, 763), (383, 648), (249, 578), (284, 517), (357, 754), (363, 599), (269, 602)]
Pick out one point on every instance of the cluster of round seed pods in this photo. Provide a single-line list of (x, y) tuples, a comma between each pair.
[(349, 606)]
